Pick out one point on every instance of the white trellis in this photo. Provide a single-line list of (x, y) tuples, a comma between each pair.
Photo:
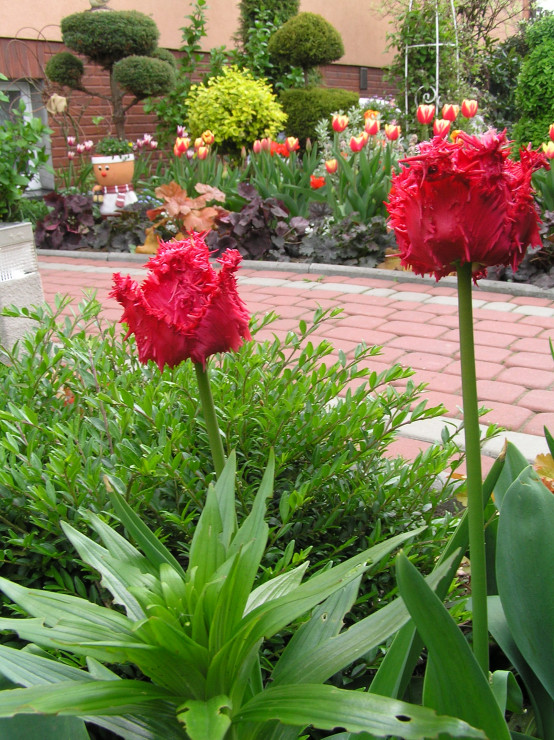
[(432, 95)]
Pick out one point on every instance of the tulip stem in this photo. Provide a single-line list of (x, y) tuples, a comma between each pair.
[(473, 465), (210, 418)]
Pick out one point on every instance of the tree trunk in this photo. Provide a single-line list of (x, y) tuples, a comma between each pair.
[(118, 114)]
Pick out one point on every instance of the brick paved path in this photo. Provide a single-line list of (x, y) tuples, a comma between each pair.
[(415, 323)]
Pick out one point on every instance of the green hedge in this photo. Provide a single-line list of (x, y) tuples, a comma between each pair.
[(305, 107)]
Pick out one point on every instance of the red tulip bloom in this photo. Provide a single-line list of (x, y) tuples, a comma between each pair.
[(547, 148), (551, 131), (184, 308), (278, 148), (464, 202), (257, 146), (339, 123), (357, 143), (441, 127), (181, 145), (392, 131), (469, 108), (371, 126), (450, 112), (292, 143), (202, 152), (425, 114), (266, 144), (331, 165), (316, 182)]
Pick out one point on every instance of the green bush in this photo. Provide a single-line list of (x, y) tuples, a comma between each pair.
[(535, 89), (237, 108), (144, 76), (306, 40), (165, 55), (280, 10), (65, 69), (78, 406), (107, 37), (305, 107)]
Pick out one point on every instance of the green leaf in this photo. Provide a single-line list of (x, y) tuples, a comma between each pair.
[(507, 691), (514, 464), (525, 553), (206, 720), (45, 728), (326, 707), (454, 682)]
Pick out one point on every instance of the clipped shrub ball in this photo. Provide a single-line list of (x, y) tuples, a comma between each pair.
[(306, 40), (237, 108), (65, 69), (305, 107), (144, 76), (106, 37), (165, 55)]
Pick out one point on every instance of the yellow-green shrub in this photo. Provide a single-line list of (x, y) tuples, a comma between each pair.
[(237, 108)]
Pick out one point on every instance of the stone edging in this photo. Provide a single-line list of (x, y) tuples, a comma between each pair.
[(318, 268)]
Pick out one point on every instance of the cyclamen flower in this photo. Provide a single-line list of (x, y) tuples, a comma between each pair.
[(464, 202), (184, 309)]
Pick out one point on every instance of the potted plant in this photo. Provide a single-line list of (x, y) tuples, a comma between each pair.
[(113, 166)]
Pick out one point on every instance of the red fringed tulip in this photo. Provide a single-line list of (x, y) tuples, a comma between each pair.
[(392, 131), (469, 108), (331, 165), (441, 127), (339, 123), (450, 112), (316, 182), (464, 202), (425, 114), (371, 126), (184, 308)]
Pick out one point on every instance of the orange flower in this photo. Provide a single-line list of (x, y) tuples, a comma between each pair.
[(450, 112), (331, 165), (339, 123), (316, 182), (371, 126), (357, 143), (441, 127), (469, 108), (425, 114), (208, 138), (181, 145), (548, 149), (392, 131), (373, 114)]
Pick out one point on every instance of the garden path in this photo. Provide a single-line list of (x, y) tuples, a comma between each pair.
[(413, 319)]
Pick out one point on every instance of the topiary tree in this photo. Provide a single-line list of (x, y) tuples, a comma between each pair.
[(306, 40), (305, 107), (535, 89), (237, 108), (125, 44)]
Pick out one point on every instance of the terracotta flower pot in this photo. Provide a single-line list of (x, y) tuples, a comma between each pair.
[(114, 175)]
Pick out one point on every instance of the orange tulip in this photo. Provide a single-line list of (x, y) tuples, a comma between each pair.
[(469, 108), (441, 127), (371, 114), (339, 123), (425, 114), (331, 165), (208, 138), (450, 112), (371, 126), (392, 131)]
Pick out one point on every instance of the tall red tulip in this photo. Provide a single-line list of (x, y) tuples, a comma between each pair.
[(425, 114), (441, 127), (357, 143), (551, 131), (464, 202), (184, 308), (450, 112), (292, 143), (339, 123), (547, 148), (181, 145), (257, 146), (371, 126), (469, 108), (316, 182), (331, 165)]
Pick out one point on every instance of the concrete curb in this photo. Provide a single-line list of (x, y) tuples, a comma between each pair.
[(318, 268)]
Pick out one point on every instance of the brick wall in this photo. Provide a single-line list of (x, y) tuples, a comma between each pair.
[(26, 59)]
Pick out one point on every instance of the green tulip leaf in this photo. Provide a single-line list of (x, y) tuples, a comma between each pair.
[(525, 553), (507, 691), (206, 720), (454, 682)]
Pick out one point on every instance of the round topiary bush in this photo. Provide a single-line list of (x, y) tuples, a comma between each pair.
[(306, 40), (237, 108), (535, 89), (305, 107), (65, 69), (109, 36), (144, 76), (165, 55)]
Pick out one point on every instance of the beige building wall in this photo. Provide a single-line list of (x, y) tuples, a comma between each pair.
[(362, 25)]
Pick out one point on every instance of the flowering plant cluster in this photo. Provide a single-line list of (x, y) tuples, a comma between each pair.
[(425, 115), (200, 148), (282, 148)]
